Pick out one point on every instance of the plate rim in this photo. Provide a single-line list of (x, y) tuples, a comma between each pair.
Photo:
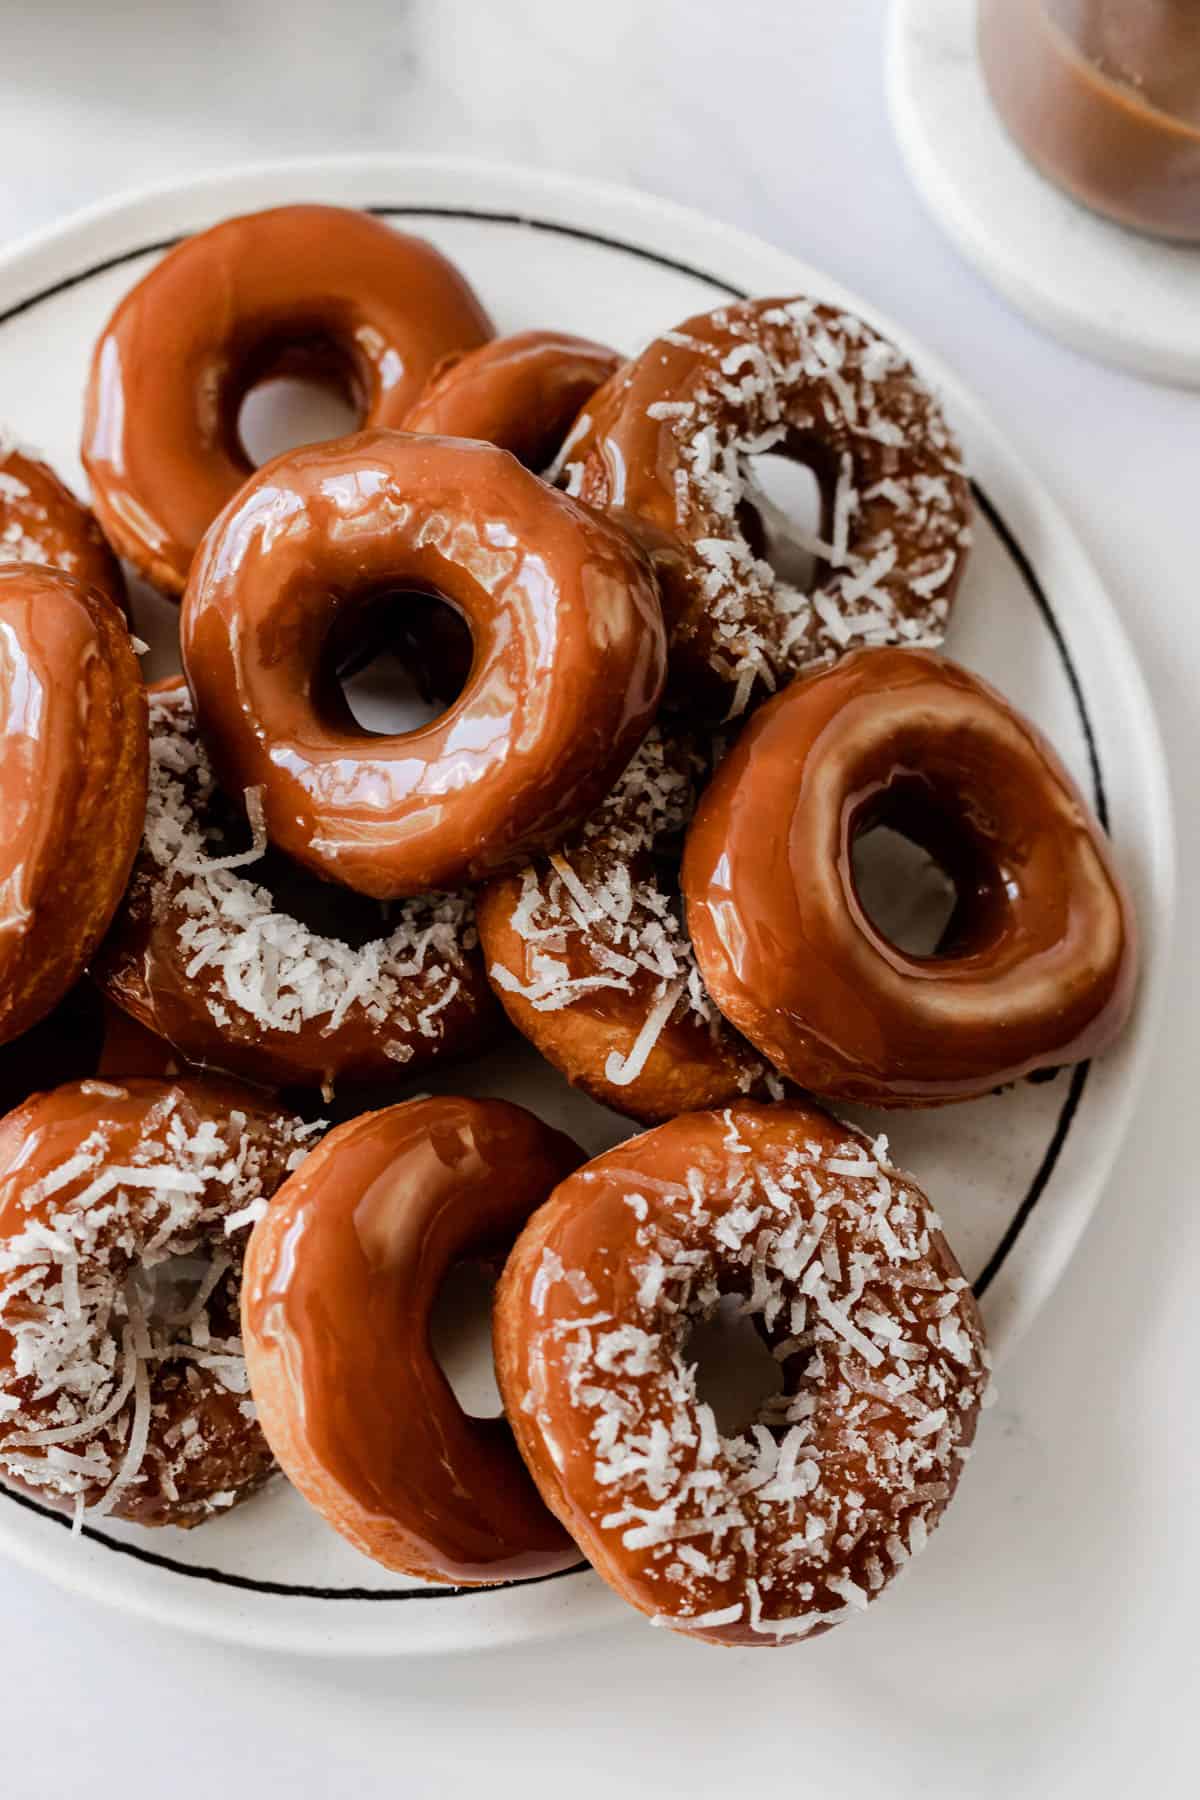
[(639, 215)]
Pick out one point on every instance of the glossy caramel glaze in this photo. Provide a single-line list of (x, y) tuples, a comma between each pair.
[(1036, 967), (568, 667), (124, 1212), (771, 1533), (521, 392), (320, 291), (591, 961), (296, 982), (41, 521), (1103, 96), (341, 1275), (73, 754), (669, 447)]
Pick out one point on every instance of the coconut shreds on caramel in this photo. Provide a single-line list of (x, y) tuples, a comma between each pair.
[(87, 1318)]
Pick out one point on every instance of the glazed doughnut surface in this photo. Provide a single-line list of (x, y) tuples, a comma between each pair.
[(522, 392), (667, 447), (568, 667), (322, 291), (778, 1531), (204, 955), (341, 1276), (1037, 965), (73, 752), (122, 1382)]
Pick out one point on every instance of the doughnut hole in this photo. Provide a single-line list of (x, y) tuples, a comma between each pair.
[(784, 508), (302, 394), (460, 1336), (918, 874), (736, 1374), (399, 661)]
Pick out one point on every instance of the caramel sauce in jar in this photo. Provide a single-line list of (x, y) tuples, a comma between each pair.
[(1103, 97)]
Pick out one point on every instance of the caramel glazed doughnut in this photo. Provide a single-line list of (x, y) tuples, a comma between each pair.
[(1037, 964), (587, 953), (204, 955), (122, 1380), (72, 783), (569, 663), (341, 1274), (666, 447), (323, 291), (785, 1529)]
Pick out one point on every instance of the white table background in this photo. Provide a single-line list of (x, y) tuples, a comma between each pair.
[(1047, 1645)]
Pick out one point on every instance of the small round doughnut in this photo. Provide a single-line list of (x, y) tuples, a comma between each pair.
[(666, 446), (569, 657), (122, 1381), (521, 392), (41, 521), (341, 1275), (203, 954), (592, 964), (1036, 967), (779, 1531), (86, 1037), (321, 291), (73, 750)]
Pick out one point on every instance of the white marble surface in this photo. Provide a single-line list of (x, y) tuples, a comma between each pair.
[(1046, 1647)]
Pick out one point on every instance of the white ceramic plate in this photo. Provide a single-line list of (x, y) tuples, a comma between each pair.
[(1015, 1176)]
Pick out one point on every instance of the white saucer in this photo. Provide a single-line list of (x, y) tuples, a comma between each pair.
[(1016, 1176), (1112, 293)]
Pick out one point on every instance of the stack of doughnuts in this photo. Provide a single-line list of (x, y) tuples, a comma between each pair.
[(628, 835)]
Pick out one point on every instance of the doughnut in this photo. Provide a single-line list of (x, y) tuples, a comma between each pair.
[(85, 1037), (341, 1275), (666, 447), (41, 521), (123, 1216), (72, 782), (1036, 966), (320, 291), (780, 1531), (203, 954), (568, 669), (521, 392), (587, 953)]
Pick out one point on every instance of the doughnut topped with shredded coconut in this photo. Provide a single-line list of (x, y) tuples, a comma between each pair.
[(124, 1212), (42, 522), (668, 445), (591, 960), (205, 956), (775, 1532)]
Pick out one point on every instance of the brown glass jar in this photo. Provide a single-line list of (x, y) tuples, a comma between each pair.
[(1103, 96)]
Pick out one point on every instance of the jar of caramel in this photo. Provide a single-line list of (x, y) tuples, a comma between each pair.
[(1103, 96)]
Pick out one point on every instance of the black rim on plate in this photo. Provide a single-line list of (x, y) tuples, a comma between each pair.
[(1070, 1105)]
